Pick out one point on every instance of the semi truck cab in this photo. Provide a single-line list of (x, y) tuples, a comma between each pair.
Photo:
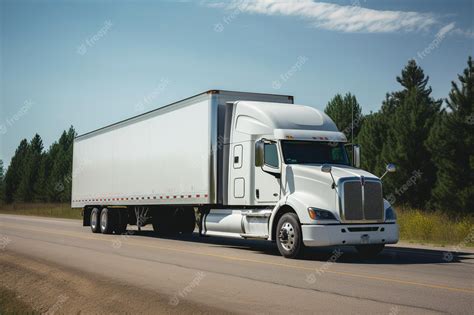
[(289, 166)]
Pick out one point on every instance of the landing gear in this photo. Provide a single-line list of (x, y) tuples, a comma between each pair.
[(289, 238), (141, 213)]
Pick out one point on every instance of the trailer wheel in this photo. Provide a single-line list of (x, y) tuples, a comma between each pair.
[(95, 220), (107, 221), (370, 251), (289, 237)]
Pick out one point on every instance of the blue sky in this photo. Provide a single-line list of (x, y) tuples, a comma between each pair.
[(91, 63)]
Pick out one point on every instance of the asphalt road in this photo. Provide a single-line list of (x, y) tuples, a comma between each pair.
[(236, 276)]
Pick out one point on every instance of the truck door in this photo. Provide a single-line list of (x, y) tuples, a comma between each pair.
[(267, 185)]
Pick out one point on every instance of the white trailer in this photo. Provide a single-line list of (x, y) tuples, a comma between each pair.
[(249, 165)]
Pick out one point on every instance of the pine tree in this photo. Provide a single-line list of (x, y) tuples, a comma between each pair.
[(410, 115), (341, 109), (2, 183), (15, 171), (451, 143), (371, 139), (30, 170), (60, 177)]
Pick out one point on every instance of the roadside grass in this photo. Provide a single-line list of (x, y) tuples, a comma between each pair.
[(55, 210), (437, 228), (11, 304)]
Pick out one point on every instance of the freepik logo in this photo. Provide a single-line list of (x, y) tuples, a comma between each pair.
[(10, 121), (416, 175), (199, 276), (92, 40), (228, 19), (300, 61), (145, 102)]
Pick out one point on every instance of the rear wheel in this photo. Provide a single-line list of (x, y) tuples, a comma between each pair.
[(95, 220), (107, 221), (289, 237), (368, 251)]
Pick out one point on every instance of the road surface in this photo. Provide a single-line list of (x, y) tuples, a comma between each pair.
[(59, 266)]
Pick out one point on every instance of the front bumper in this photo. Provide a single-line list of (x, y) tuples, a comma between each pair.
[(350, 234)]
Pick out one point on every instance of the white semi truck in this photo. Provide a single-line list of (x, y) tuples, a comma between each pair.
[(237, 164)]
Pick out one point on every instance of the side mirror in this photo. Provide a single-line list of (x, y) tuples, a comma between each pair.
[(356, 155), (259, 153), (325, 168), (390, 168)]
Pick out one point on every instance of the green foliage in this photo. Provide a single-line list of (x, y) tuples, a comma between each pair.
[(399, 133), (15, 171), (2, 183), (341, 109), (451, 144), (35, 175), (371, 139), (31, 162)]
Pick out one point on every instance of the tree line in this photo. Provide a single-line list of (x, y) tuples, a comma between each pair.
[(38, 175), (430, 140)]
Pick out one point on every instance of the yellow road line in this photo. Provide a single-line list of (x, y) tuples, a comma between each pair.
[(91, 237)]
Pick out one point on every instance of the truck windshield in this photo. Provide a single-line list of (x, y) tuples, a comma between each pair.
[(314, 152)]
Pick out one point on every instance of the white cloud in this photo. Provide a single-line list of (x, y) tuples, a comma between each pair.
[(467, 33), (343, 18), (445, 30)]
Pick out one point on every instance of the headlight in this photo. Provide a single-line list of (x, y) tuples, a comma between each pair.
[(320, 214), (390, 214)]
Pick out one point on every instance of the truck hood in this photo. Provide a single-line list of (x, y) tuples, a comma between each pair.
[(307, 186), (338, 172)]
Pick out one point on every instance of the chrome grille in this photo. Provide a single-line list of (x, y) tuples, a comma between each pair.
[(353, 201), (373, 201), (361, 200)]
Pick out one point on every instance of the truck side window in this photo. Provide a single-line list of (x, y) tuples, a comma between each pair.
[(271, 155)]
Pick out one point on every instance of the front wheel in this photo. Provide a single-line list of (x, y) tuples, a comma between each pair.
[(369, 251), (289, 237)]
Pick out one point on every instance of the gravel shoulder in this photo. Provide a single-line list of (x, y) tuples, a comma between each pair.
[(58, 289)]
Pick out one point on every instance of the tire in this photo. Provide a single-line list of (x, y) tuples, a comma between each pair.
[(289, 238), (107, 221), (370, 251), (122, 221), (95, 220)]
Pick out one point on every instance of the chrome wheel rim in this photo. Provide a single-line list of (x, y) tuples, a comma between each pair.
[(94, 220), (103, 220), (287, 236)]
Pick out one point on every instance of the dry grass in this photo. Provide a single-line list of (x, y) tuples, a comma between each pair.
[(435, 227), (10, 303), (56, 210)]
